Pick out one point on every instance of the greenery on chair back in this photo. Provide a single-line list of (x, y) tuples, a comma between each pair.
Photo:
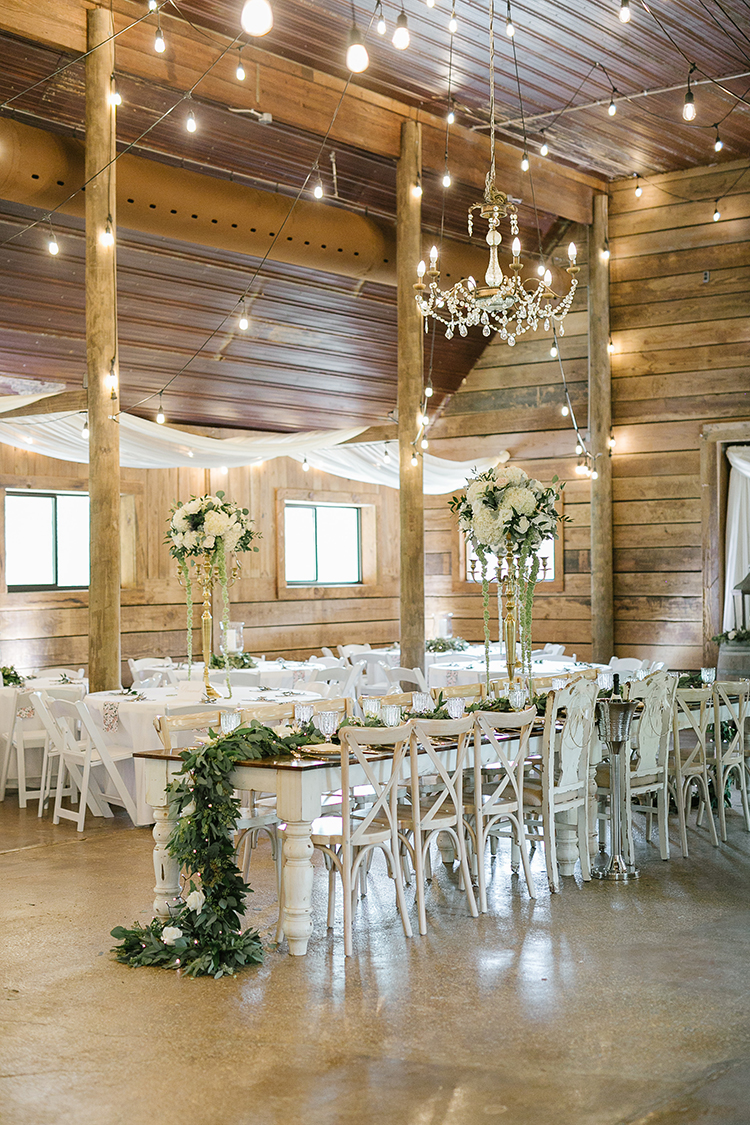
[(11, 678), (203, 936), (502, 705)]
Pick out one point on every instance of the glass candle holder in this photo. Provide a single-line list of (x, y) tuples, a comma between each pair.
[(421, 702), (303, 713), (229, 721), (708, 675), (456, 707), (517, 698), (231, 639), (391, 714), (371, 708)]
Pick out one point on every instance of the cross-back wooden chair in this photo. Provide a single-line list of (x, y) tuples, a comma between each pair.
[(688, 760)]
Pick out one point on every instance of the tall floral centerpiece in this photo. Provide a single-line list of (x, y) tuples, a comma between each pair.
[(203, 532), (508, 515)]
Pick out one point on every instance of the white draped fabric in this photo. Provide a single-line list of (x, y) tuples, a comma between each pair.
[(146, 445), (738, 529)]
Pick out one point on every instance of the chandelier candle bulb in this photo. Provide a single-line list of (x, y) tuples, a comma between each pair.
[(547, 278), (421, 268), (257, 17), (572, 253), (433, 257)]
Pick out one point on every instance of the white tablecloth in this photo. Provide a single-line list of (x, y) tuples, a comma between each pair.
[(271, 673), (471, 671)]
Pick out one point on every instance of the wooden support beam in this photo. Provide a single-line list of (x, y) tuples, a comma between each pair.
[(600, 425), (410, 337), (102, 361), (64, 402)]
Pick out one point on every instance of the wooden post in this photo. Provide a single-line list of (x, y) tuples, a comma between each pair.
[(600, 426), (410, 336), (102, 360)]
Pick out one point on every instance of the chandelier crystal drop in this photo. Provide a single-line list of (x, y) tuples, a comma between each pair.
[(507, 303)]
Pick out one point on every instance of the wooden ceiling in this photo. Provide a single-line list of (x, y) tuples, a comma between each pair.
[(320, 350)]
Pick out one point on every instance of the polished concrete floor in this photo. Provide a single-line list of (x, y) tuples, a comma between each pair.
[(603, 1005)]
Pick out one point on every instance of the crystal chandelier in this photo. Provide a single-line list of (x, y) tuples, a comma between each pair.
[(506, 303)]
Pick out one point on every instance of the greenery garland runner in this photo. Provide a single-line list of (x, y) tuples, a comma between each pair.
[(203, 936), (204, 531)]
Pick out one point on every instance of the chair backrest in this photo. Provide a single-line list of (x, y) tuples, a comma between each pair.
[(356, 742), (449, 774), (347, 651), (625, 664), (64, 712), (327, 652), (168, 725), (40, 702), (508, 755), (402, 699), (71, 673), (731, 696), (27, 726), (690, 715), (472, 692), (654, 722), (565, 751), (554, 650), (150, 662), (328, 661), (406, 677), (91, 732)]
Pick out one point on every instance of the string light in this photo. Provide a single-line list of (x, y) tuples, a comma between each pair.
[(416, 188), (565, 411), (401, 37), (453, 22), (611, 442), (579, 449), (424, 443), (256, 18), (612, 108), (688, 108), (447, 178), (159, 45), (52, 243), (240, 71), (525, 162), (114, 95), (544, 147), (430, 3), (510, 30), (718, 143), (638, 186), (357, 59), (610, 346), (429, 389), (553, 351), (605, 251), (593, 474), (451, 118), (160, 417), (107, 237), (110, 380), (717, 212), (85, 428), (191, 124), (414, 460), (243, 322), (624, 11), (381, 25), (318, 187), (305, 466), (152, 5)]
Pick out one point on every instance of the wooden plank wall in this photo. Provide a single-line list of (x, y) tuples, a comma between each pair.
[(512, 400), (43, 629), (680, 315)]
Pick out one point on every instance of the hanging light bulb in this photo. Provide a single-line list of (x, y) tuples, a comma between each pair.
[(414, 460), (453, 23), (510, 30), (579, 449), (717, 212), (553, 351), (447, 179), (381, 26), (544, 147), (152, 5), (160, 417), (525, 162), (257, 18), (243, 322), (624, 11), (85, 428), (110, 380), (429, 390), (52, 244), (430, 3), (190, 123), (718, 143), (594, 475), (565, 411), (114, 95), (612, 108), (638, 187), (610, 346), (107, 237), (401, 35), (611, 443), (451, 118), (357, 58), (240, 71), (159, 45), (305, 466), (416, 189), (424, 443), (604, 252), (318, 187), (688, 106)]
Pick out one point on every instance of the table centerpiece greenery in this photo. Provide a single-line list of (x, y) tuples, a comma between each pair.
[(446, 644), (506, 513), (11, 678), (204, 936)]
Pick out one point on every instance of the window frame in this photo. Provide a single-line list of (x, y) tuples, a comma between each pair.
[(314, 505), (47, 587)]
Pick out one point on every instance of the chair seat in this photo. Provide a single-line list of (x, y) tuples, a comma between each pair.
[(327, 832)]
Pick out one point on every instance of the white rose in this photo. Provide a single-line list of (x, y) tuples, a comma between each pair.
[(195, 901), (170, 934), (731, 634), (178, 539), (190, 539), (208, 542), (192, 507), (523, 525), (179, 523)]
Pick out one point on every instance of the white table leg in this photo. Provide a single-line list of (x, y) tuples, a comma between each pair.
[(567, 841), (298, 881), (166, 869)]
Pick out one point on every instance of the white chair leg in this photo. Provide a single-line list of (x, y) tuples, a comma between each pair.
[(662, 800), (21, 763)]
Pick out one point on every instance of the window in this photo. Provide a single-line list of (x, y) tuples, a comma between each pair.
[(323, 544), (46, 540)]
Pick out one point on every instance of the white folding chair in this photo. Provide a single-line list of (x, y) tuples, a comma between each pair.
[(10, 706), (27, 733), (347, 651), (406, 677), (79, 758), (345, 679), (71, 673)]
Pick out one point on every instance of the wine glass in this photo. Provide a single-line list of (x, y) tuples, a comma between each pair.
[(517, 698), (229, 721), (327, 723), (605, 681), (456, 707)]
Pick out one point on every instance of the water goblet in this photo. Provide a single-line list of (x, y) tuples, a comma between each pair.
[(229, 721), (421, 702), (708, 675), (605, 681), (371, 708), (327, 723), (559, 682), (391, 713), (303, 713), (456, 707), (517, 698), (640, 673)]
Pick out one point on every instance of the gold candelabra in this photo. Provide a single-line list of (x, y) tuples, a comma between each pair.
[(205, 571)]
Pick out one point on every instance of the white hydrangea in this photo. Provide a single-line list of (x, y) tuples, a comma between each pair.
[(515, 475), (475, 491), (192, 507), (179, 523), (215, 523), (522, 500)]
